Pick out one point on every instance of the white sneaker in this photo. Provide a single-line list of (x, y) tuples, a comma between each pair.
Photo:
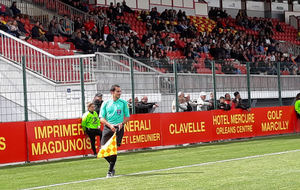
[(109, 175)]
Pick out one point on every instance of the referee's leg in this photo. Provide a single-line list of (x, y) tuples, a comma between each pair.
[(106, 135)]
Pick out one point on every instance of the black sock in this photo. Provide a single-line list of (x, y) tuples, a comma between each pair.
[(112, 163)]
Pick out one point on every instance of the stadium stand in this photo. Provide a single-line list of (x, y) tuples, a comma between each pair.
[(159, 39)]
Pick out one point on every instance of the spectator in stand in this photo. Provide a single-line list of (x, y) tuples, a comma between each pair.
[(3, 25), (228, 99), (211, 101), (119, 10), (126, 8), (182, 104), (90, 24), (105, 30), (154, 14), (21, 26), (145, 107), (279, 28), (61, 29), (78, 23), (113, 47), (14, 10), (14, 30), (222, 105), (111, 37), (202, 103), (3, 10), (136, 102), (36, 32), (191, 105), (238, 103), (80, 43), (98, 102), (111, 14)]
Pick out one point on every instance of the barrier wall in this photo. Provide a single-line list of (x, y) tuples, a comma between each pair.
[(43, 140)]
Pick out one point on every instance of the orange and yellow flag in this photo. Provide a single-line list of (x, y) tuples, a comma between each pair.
[(109, 149)]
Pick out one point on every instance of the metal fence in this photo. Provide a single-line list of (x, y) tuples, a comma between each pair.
[(59, 69), (28, 95), (63, 9)]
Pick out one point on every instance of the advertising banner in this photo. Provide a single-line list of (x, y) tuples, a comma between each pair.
[(192, 127), (43, 140), (12, 142), (56, 139), (275, 120), (236, 123), (185, 127), (142, 131)]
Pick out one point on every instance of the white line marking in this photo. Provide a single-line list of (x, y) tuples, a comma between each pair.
[(166, 169)]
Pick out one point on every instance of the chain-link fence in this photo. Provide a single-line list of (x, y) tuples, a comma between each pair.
[(156, 86), (27, 95)]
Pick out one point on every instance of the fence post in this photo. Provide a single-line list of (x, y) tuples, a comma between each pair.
[(214, 83), (248, 84), (25, 88), (279, 85), (176, 86), (82, 86), (132, 86)]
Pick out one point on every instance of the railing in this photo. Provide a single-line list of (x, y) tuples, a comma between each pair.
[(59, 69), (63, 9), (106, 63), (137, 65), (39, 14)]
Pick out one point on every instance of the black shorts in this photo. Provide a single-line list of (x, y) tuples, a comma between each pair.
[(108, 133), (92, 133)]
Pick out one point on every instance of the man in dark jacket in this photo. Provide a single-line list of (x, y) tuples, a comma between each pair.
[(98, 102), (222, 105), (145, 107), (238, 103)]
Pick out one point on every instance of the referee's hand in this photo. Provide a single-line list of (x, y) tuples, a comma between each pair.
[(112, 128)]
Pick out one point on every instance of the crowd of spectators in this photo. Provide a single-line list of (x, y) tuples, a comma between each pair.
[(261, 50), (142, 106), (114, 35), (185, 104)]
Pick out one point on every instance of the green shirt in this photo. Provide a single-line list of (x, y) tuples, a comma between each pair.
[(114, 111), (297, 106), (90, 120)]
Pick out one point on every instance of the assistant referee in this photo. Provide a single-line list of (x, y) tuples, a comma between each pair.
[(114, 114)]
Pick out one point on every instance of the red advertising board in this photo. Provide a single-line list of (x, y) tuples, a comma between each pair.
[(275, 120), (142, 131), (42, 140), (13, 142), (185, 127), (180, 128), (56, 139), (232, 124)]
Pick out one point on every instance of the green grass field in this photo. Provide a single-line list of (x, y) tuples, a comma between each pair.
[(279, 171)]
